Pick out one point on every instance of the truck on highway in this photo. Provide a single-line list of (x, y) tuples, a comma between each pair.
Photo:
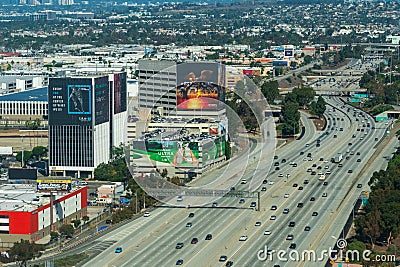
[(338, 158)]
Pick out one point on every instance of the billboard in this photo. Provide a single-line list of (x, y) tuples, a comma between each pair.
[(176, 153), (120, 92), (200, 86), (288, 52), (54, 184), (212, 149), (22, 174), (101, 100), (252, 72), (70, 101)]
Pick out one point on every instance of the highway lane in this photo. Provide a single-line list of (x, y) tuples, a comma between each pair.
[(165, 261), (216, 211)]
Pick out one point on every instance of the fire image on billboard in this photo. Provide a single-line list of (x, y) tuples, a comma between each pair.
[(200, 86), (79, 100)]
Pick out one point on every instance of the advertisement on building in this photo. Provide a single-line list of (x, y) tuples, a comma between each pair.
[(176, 153), (101, 100), (212, 149), (70, 101), (199, 86), (119, 92), (54, 184)]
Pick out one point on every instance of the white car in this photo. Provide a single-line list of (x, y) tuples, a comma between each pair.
[(286, 196), (280, 175), (270, 182), (179, 199), (273, 218), (267, 232), (243, 238), (146, 214)]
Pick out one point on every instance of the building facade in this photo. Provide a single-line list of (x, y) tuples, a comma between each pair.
[(87, 116)]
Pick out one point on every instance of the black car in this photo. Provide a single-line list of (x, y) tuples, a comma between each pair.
[(292, 246), (265, 182), (315, 213), (359, 186), (191, 215), (300, 188), (108, 221), (295, 185), (229, 263), (312, 199), (307, 228), (325, 183), (179, 262), (300, 205), (277, 168), (305, 182), (208, 236), (179, 245), (292, 224), (283, 161)]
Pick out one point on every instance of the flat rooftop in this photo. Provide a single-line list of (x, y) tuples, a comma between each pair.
[(24, 197), (36, 95)]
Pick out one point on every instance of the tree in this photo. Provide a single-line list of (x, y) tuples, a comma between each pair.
[(66, 230), (39, 151), (290, 112), (270, 90), (319, 107), (24, 251), (85, 219), (76, 223), (27, 156), (54, 236), (304, 95)]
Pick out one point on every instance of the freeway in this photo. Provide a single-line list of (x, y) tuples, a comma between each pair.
[(151, 241)]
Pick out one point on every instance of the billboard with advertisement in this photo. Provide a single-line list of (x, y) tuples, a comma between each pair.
[(101, 100), (176, 153), (22, 174), (70, 101), (55, 184), (120, 92), (180, 153), (200, 86)]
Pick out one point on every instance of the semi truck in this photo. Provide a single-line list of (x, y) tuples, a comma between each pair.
[(338, 158)]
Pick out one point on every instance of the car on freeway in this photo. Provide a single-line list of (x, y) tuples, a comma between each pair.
[(277, 168), (189, 224), (118, 250), (315, 213), (324, 194), (325, 183), (263, 189), (286, 196), (327, 172), (272, 218), (195, 240), (283, 161), (289, 237), (179, 245), (358, 154), (108, 221), (350, 171), (265, 181), (307, 145), (214, 204), (179, 198), (359, 186), (358, 160), (313, 173), (244, 181), (314, 165), (321, 159), (241, 201), (276, 163), (257, 224), (208, 237), (309, 170), (294, 165), (295, 185), (270, 182), (146, 214), (280, 175), (274, 207), (292, 224), (292, 246), (243, 238), (253, 204), (179, 262), (223, 258), (307, 228), (312, 199), (191, 215), (275, 157), (229, 263), (286, 211), (300, 204), (300, 188), (267, 232)]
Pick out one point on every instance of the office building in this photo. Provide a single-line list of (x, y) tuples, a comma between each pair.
[(87, 116)]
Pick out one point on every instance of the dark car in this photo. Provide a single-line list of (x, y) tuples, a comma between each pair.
[(315, 213), (283, 160), (208, 236), (300, 188), (229, 263), (295, 185), (179, 262), (265, 181), (350, 171), (359, 186), (108, 221), (307, 228), (300, 205), (305, 182), (325, 183), (292, 224), (312, 199), (194, 240), (274, 207), (179, 245), (223, 258), (292, 246), (191, 215)]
